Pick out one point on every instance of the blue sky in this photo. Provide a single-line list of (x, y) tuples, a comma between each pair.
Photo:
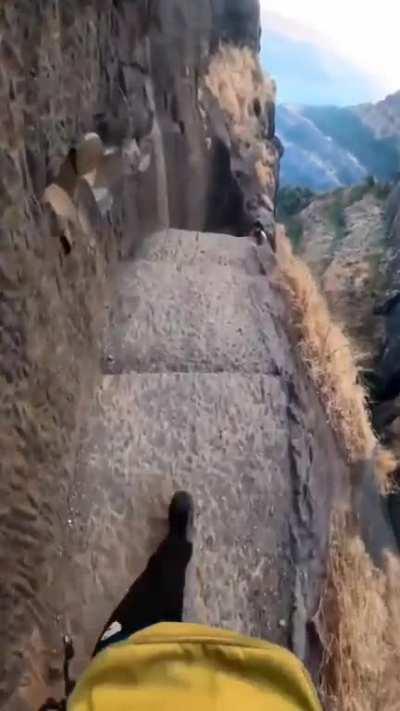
[(305, 74), (331, 52)]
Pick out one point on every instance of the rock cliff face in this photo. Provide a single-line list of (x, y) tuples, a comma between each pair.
[(387, 371), (119, 118)]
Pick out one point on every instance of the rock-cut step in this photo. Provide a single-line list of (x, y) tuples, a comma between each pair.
[(223, 437), (200, 248), (191, 317)]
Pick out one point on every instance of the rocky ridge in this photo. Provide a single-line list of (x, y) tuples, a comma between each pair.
[(383, 118), (330, 147)]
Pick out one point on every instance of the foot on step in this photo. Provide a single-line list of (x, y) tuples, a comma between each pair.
[(181, 515)]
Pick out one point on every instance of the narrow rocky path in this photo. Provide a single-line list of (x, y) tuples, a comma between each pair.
[(201, 391)]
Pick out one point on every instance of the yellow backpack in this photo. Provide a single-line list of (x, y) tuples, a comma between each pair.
[(174, 666)]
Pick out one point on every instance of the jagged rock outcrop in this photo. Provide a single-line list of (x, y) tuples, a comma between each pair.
[(387, 371), (118, 118)]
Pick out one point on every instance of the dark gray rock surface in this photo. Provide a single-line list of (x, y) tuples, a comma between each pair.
[(386, 411), (388, 362), (237, 22)]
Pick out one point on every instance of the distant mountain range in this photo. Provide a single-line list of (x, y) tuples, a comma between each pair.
[(327, 147)]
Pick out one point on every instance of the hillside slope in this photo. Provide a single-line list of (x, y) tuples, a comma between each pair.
[(327, 147), (350, 239), (341, 236)]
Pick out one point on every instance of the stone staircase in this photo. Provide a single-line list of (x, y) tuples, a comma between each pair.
[(200, 391)]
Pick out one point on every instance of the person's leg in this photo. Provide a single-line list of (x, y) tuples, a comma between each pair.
[(157, 595)]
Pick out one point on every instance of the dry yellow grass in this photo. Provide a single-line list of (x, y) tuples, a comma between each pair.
[(237, 81), (385, 464), (264, 173), (360, 625), (242, 89), (330, 357), (359, 620)]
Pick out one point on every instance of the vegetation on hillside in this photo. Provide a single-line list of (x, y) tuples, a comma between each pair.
[(380, 190), (359, 624), (358, 620), (331, 360), (379, 156), (243, 90), (336, 216), (292, 201)]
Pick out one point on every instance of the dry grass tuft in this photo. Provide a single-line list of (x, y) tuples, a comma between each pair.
[(242, 89), (237, 81), (264, 174), (385, 464), (359, 620), (330, 357), (360, 624)]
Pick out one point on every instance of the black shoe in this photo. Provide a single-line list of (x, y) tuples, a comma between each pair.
[(180, 516)]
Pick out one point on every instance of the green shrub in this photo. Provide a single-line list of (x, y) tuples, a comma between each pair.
[(382, 190), (337, 217), (291, 201), (295, 231), (356, 194)]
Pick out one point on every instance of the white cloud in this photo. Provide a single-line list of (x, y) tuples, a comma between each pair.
[(364, 33)]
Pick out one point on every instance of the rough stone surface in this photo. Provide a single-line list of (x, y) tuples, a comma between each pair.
[(152, 433), (191, 318), (200, 249), (254, 448)]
